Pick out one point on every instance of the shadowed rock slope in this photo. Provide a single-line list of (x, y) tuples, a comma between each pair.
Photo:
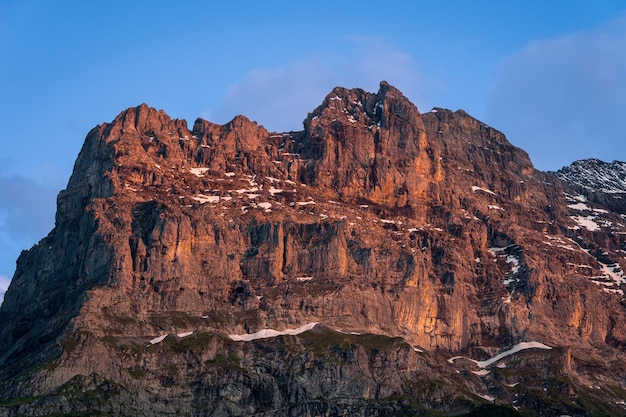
[(422, 245)]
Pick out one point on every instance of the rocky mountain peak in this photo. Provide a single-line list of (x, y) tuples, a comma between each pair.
[(601, 182), (596, 175), (142, 119), (356, 104), (379, 254), (368, 146)]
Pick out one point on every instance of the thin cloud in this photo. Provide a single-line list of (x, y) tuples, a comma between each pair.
[(280, 98), (4, 285), (564, 98), (26, 207)]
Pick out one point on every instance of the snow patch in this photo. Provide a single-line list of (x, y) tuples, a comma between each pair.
[(486, 397), (518, 347), (207, 198), (198, 172), (510, 259), (584, 207), (245, 190), (477, 188), (273, 191), (611, 279), (614, 271), (579, 206), (157, 340), (587, 222), (482, 372), (267, 333)]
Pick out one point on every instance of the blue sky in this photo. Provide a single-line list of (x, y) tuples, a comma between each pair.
[(550, 75)]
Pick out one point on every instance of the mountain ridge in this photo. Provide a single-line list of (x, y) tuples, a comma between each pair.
[(601, 182), (411, 238)]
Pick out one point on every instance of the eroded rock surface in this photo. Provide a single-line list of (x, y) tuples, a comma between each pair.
[(411, 238)]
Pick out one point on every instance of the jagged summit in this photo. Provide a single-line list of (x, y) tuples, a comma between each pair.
[(601, 182), (596, 175), (376, 255)]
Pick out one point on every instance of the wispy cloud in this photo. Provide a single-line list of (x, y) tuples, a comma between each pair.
[(4, 285), (280, 98), (564, 98)]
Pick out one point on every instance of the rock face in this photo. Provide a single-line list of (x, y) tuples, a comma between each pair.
[(422, 244), (602, 183)]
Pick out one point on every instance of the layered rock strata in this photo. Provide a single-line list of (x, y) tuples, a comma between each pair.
[(410, 238)]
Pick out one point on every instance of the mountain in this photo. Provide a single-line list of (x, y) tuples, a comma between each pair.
[(379, 262), (600, 182)]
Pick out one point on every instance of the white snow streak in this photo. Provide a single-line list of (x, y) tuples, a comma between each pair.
[(518, 347), (273, 191), (266, 206), (157, 339), (586, 222), (207, 198), (198, 172), (267, 333), (476, 188)]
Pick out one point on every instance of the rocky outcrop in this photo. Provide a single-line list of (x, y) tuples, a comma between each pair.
[(409, 237), (602, 183)]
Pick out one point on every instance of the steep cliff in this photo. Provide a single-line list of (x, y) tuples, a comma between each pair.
[(421, 244)]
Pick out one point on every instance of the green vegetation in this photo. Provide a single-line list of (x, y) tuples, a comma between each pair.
[(230, 362), (427, 386), (590, 404), (193, 343), (76, 389), (128, 345), (17, 401), (136, 373), (86, 413), (170, 319), (171, 373), (119, 319), (49, 365), (74, 340), (329, 340), (251, 318), (493, 411)]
